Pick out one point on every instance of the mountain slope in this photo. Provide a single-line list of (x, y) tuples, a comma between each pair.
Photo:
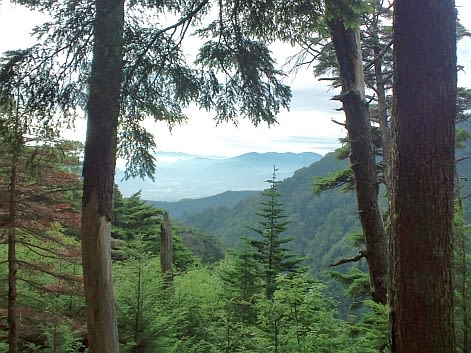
[(319, 224), (227, 199)]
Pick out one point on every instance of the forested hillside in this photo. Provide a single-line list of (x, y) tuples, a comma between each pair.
[(177, 209), (212, 302), (320, 224), (98, 272)]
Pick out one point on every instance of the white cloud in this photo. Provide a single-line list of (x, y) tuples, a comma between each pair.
[(307, 127), (16, 23), (464, 46)]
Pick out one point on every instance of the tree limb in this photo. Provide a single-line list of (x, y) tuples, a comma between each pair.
[(361, 254)]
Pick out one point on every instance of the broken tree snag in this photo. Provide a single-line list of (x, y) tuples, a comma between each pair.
[(362, 160), (166, 249)]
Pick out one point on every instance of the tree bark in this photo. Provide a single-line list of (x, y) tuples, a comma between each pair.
[(98, 175), (421, 292), (362, 161)]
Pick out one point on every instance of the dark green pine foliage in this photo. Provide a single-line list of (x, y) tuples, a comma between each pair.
[(241, 288), (272, 254), (135, 222), (133, 218), (241, 278)]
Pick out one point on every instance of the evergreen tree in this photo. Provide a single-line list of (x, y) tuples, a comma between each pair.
[(137, 70), (271, 251), (42, 259), (132, 217), (138, 287), (33, 185), (241, 282), (301, 318), (136, 223)]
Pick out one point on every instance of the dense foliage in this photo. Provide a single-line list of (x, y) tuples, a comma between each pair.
[(252, 299), (219, 307), (222, 306)]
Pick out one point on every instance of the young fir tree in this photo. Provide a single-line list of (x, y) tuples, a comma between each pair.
[(241, 288), (42, 260), (270, 245), (133, 218), (241, 283), (138, 285)]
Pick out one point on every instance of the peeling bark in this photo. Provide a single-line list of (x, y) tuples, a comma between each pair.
[(98, 175)]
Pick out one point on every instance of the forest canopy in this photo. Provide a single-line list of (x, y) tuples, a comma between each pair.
[(174, 289)]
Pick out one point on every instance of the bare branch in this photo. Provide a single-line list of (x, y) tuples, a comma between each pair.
[(338, 122), (361, 254), (459, 159)]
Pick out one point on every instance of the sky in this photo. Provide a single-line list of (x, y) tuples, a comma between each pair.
[(306, 127)]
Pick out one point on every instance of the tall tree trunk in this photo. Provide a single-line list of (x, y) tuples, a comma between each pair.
[(98, 175), (362, 161), (383, 116), (421, 294), (166, 249)]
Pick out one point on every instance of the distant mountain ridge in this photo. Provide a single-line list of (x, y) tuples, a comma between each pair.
[(185, 176)]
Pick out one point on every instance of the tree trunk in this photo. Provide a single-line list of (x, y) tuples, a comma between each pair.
[(98, 175), (362, 161), (166, 250), (383, 117), (421, 294)]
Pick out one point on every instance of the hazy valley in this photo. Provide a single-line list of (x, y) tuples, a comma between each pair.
[(184, 176)]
